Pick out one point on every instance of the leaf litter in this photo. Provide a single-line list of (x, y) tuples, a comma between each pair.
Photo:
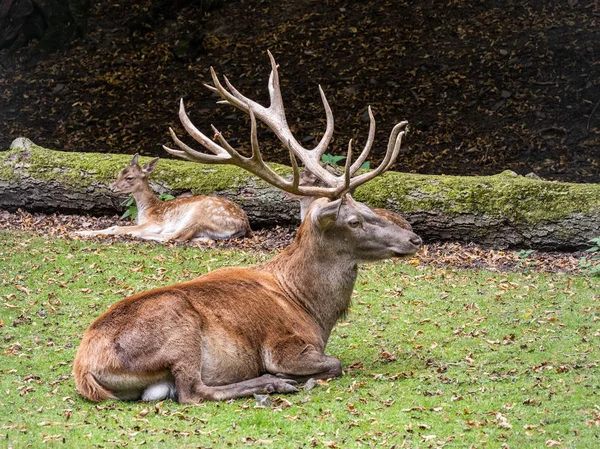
[(447, 254)]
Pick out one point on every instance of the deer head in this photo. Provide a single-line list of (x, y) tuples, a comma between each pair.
[(361, 231), (134, 178)]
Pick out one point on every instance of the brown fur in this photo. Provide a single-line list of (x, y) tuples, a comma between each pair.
[(228, 333)]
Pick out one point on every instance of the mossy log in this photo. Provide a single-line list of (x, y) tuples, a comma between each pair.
[(505, 210)]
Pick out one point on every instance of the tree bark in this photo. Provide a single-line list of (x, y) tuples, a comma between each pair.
[(504, 210)]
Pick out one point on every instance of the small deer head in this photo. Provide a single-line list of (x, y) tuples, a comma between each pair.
[(133, 177)]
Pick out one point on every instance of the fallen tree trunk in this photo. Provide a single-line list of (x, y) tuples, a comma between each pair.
[(42, 180), (504, 210)]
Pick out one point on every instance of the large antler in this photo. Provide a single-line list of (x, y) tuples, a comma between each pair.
[(274, 118)]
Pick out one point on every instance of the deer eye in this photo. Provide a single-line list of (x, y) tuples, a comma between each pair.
[(354, 223), (129, 178)]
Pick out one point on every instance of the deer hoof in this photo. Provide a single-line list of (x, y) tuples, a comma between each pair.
[(278, 385), (284, 386)]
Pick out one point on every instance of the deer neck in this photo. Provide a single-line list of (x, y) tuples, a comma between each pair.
[(145, 199), (316, 279)]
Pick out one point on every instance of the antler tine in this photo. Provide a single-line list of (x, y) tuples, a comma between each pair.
[(296, 175), (178, 153), (347, 169), (232, 96), (274, 87), (219, 136), (196, 134), (193, 155), (256, 154), (393, 149), (365, 152), (235, 97), (324, 142), (402, 126), (227, 155)]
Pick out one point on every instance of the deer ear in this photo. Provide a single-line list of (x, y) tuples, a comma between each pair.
[(324, 214), (150, 166), (134, 161)]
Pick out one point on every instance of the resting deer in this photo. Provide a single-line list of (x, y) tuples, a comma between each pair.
[(235, 331), (193, 218)]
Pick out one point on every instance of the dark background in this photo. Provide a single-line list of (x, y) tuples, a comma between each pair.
[(485, 85)]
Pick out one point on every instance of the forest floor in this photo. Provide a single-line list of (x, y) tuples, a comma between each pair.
[(450, 255), (486, 88)]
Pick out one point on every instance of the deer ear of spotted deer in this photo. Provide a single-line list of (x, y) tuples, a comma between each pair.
[(150, 166), (134, 161)]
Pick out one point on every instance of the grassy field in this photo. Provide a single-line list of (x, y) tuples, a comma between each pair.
[(433, 358)]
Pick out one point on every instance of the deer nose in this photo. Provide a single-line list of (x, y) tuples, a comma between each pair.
[(416, 240)]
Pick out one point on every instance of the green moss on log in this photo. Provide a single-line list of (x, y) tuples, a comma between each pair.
[(506, 195), (81, 169)]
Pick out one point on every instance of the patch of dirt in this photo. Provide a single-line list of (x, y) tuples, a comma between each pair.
[(486, 86), (268, 240)]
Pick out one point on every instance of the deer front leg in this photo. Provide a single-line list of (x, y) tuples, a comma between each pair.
[(191, 388), (297, 360), (264, 384), (179, 236)]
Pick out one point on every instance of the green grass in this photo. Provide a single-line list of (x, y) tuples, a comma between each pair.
[(433, 357)]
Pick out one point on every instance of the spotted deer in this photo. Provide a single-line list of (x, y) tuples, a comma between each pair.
[(192, 218), (238, 331)]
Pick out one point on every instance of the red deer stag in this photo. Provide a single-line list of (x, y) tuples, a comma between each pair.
[(237, 331), (194, 218)]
